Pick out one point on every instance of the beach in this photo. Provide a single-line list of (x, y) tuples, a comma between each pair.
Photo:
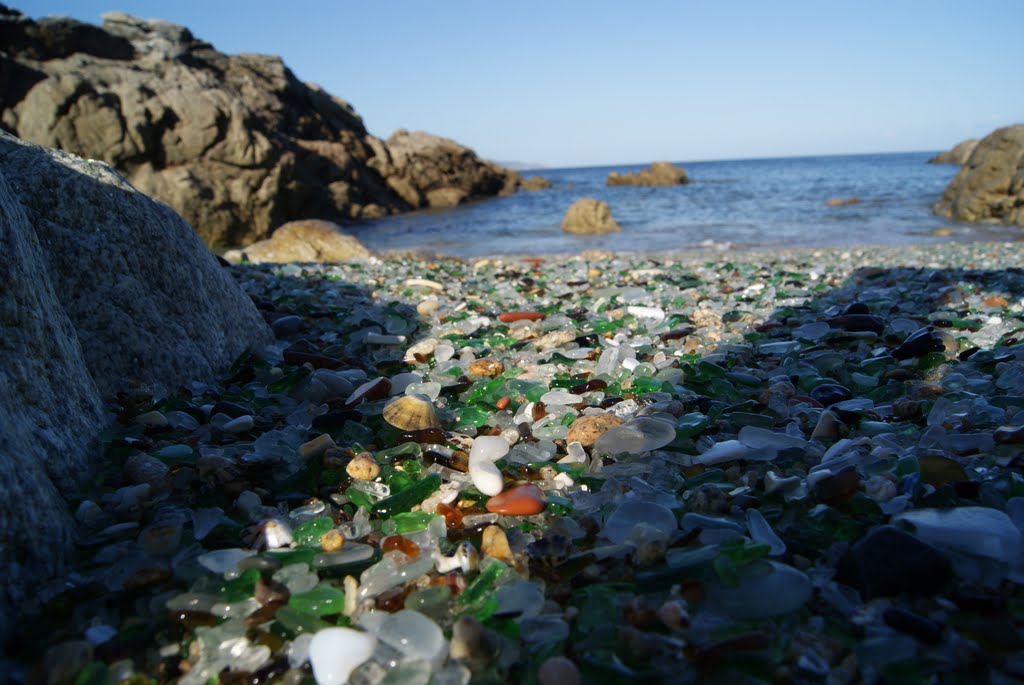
[(787, 466)]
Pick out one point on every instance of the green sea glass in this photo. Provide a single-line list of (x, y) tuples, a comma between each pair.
[(408, 498), (308, 534), (322, 600)]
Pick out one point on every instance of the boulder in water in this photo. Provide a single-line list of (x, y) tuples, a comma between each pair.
[(658, 174), (588, 216)]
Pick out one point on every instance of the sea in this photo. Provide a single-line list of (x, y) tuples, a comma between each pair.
[(751, 203)]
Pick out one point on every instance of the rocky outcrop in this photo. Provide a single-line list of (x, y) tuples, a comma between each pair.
[(236, 144), (588, 216), (306, 240), (990, 185), (104, 289), (532, 183), (960, 153), (658, 174), (430, 171)]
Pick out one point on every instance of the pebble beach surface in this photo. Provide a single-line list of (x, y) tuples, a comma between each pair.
[(793, 466)]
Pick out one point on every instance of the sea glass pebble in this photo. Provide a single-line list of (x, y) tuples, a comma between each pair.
[(335, 652)]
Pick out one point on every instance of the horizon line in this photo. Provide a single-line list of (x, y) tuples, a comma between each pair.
[(528, 166)]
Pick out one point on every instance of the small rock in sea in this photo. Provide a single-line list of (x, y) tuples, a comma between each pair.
[(657, 174), (588, 216), (888, 562), (523, 500), (335, 652)]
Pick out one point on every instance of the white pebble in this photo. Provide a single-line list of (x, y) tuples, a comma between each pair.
[(239, 425), (336, 652), (485, 475), (380, 339), (423, 283), (725, 451)]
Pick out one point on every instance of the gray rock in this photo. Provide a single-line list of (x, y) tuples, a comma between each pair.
[(960, 153), (150, 304), (235, 143), (990, 185), (588, 216), (306, 240), (658, 174), (50, 411), (103, 289)]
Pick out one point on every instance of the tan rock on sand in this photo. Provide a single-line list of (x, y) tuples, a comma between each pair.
[(307, 240)]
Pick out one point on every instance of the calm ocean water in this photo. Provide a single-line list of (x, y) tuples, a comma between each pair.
[(742, 203)]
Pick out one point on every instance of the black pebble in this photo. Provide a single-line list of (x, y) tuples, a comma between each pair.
[(889, 561), (856, 308), (922, 629), (921, 342), (830, 393)]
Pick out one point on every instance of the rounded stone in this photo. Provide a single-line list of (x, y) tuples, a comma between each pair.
[(587, 429), (523, 500), (335, 652), (558, 670), (485, 368)]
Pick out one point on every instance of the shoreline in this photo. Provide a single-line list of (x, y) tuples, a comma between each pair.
[(893, 254)]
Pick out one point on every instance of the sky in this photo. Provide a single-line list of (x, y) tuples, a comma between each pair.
[(562, 83)]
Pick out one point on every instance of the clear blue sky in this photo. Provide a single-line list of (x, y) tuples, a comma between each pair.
[(573, 83)]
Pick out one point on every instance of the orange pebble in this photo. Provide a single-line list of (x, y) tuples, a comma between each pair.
[(524, 500), (509, 317), (503, 403), (402, 544), (452, 516)]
